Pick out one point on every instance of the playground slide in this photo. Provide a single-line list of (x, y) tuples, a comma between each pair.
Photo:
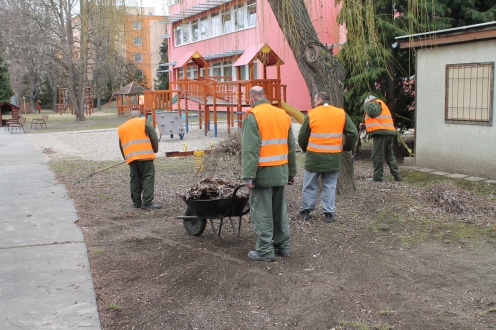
[(293, 112)]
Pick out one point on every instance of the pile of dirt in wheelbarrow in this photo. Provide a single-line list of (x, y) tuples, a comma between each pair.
[(213, 188)]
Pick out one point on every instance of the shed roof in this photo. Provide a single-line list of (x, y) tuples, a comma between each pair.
[(131, 89), (191, 56), (262, 52), (9, 104), (449, 36)]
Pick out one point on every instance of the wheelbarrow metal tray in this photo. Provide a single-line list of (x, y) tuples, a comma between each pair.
[(218, 208)]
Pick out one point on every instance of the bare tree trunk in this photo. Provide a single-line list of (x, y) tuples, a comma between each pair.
[(320, 69)]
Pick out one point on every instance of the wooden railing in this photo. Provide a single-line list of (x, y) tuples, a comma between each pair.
[(125, 109)]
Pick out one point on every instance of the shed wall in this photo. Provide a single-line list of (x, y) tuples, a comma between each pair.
[(463, 148)]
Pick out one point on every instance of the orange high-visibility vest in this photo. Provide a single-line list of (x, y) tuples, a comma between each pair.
[(273, 125), (134, 141), (383, 121), (326, 129)]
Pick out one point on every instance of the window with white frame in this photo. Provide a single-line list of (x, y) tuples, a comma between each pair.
[(138, 57), (239, 17), (192, 72), (178, 35), (138, 41), (226, 21), (195, 31), (204, 27), (186, 32), (216, 25), (234, 18), (469, 93), (137, 25), (251, 11)]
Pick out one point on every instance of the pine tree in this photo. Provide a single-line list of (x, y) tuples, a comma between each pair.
[(162, 81), (5, 87)]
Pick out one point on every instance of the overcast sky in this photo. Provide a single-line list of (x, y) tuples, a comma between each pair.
[(160, 5)]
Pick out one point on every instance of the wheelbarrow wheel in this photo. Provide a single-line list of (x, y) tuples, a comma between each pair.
[(194, 227)]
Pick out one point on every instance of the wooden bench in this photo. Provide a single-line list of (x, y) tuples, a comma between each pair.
[(17, 124), (39, 121)]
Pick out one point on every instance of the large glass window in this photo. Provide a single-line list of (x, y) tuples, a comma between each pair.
[(234, 18), (226, 21), (252, 13), (239, 17), (193, 72), (204, 27), (178, 38), (186, 33), (216, 26), (469, 93), (195, 31)]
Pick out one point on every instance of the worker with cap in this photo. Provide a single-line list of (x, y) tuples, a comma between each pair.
[(379, 124), (138, 142)]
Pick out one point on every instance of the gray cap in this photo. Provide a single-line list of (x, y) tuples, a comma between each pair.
[(370, 98)]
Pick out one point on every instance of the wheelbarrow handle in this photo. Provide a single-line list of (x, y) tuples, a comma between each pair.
[(231, 202)]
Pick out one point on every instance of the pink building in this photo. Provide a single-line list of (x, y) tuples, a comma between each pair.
[(221, 31)]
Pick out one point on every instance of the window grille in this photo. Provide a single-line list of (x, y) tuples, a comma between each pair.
[(469, 93)]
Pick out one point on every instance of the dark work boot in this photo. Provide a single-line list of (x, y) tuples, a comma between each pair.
[(329, 217), (305, 215), (254, 255)]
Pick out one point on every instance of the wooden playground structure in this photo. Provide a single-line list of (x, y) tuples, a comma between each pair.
[(212, 96), (64, 104)]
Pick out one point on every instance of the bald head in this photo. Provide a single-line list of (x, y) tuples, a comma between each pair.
[(134, 114), (257, 93)]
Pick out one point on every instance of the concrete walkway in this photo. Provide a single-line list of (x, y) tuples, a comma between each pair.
[(45, 276)]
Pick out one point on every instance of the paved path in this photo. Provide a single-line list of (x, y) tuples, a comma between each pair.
[(45, 277)]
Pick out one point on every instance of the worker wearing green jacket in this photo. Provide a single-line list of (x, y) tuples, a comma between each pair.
[(138, 143), (379, 124), (268, 164), (326, 132)]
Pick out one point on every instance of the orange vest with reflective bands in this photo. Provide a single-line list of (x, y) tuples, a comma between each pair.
[(383, 121), (273, 125), (326, 129), (134, 141)]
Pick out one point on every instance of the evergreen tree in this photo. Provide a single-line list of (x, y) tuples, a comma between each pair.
[(5, 87), (375, 66), (162, 81)]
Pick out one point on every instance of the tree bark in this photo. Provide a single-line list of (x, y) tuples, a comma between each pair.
[(320, 69)]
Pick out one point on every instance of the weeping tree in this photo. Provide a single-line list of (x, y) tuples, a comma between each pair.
[(368, 63), (320, 69)]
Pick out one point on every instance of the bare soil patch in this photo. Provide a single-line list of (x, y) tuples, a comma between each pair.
[(417, 254), (393, 260)]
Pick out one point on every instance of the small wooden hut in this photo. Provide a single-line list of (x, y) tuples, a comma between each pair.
[(8, 111)]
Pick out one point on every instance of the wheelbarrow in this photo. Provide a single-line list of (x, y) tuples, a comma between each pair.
[(198, 211)]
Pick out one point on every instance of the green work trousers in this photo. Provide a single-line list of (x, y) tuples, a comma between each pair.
[(269, 217), (382, 148), (142, 174)]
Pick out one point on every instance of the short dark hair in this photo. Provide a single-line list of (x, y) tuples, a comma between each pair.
[(323, 96)]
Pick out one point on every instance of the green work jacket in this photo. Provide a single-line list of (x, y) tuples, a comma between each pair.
[(263, 176), (326, 162)]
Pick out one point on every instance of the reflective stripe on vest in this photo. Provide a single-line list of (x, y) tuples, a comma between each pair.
[(136, 145), (383, 121), (273, 124), (326, 129)]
